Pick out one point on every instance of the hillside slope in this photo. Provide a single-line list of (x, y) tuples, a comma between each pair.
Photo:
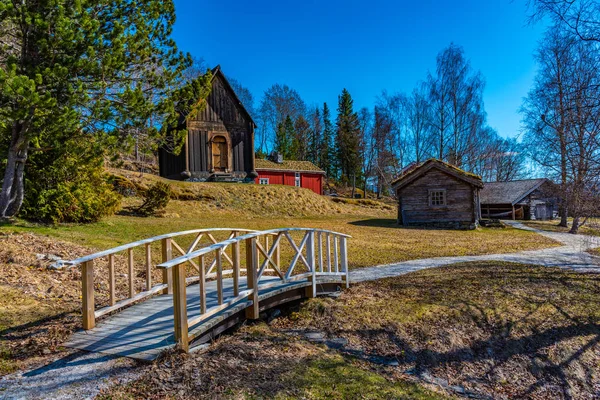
[(256, 200)]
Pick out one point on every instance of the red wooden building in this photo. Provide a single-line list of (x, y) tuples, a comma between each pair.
[(292, 173)]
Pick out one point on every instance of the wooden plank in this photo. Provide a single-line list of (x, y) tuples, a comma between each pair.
[(344, 255), (131, 274), (219, 259), (328, 252), (180, 307), (167, 255), (126, 302), (202, 285), (183, 253), (111, 279), (335, 254), (252, 312), (235, 253), (148, 266), (87, 294)]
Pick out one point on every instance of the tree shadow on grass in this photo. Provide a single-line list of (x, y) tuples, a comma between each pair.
[(524, 333)]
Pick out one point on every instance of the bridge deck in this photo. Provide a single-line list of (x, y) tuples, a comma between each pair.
[(144, 330)]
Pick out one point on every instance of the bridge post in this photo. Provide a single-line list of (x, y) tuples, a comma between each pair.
[(252, 312), (87, 295), (167, 254), (344, 257), (180, 307), (236, 266), (311, 291)]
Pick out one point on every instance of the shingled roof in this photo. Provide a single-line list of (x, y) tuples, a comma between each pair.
[(450, 169), (287, 165), (511, 192)]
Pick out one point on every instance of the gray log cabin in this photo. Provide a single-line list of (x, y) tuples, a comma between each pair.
[(438, 194), (220, 141), (527, 199)]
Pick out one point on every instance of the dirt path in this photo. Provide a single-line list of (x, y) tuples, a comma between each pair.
[(82, 375), (571, 255)]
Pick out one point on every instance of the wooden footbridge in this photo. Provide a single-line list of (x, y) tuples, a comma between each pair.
[(187, 300)]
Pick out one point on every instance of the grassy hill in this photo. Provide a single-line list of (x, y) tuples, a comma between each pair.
[(256, 200)]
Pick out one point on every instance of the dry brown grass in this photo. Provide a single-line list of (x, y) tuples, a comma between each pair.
[(503, 330), (591, 227), (258, 363)]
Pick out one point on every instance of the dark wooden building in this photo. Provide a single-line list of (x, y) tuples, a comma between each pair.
[(523, 199), (220, 140), (438, 194)]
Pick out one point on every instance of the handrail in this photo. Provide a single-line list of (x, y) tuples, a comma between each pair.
[(308, 252), (153, 239), (168, 245), (209, 249)]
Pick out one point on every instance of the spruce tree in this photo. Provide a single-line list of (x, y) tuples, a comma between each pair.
[(347, 138), (327, 150), (301, 141), (284, 138), (314, 145)]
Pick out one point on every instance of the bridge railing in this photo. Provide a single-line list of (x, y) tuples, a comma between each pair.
[(134, 291), (271, 258)]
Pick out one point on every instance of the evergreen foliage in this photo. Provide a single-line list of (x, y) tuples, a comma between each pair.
[(284, 138), (347, 139), (68, 184), (156, 198), (327, 149), (80, 68)]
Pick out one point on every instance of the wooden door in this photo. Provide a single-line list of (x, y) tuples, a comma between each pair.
[(219, 154)]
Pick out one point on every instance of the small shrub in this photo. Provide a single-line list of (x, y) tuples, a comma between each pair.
[(123, 186), (156, 198)]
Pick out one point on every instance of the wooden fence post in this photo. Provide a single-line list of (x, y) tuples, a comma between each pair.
[(252, 312), (311, 291), (236, 267), (344, 256), (111, 279), (87, 295), (180, 307), (167, 254)]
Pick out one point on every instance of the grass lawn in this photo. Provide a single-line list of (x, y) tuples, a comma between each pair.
[(37, 303), (376, 239), (497, 329), (592, 226)]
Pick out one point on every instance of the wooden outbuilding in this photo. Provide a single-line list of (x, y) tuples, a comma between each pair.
[(438, 194), (220, 141), (292, 173), (528, 199)]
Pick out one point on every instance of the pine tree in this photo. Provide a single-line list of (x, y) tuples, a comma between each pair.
[(301, 140), (327, 150), (284, 137), (347, 138), (314, 143), (78, 68)]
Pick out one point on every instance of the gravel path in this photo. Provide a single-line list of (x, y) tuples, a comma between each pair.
[(571, 255), (79, 375), (82, 375)]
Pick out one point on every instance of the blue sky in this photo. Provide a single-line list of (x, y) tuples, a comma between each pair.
[(320, 47)]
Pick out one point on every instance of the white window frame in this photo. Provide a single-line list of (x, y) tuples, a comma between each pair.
[(439, 201), (263, 181), (297, 180)]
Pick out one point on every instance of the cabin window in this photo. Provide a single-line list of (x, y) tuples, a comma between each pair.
[(263, 181), (297, 181), (437, 197)]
